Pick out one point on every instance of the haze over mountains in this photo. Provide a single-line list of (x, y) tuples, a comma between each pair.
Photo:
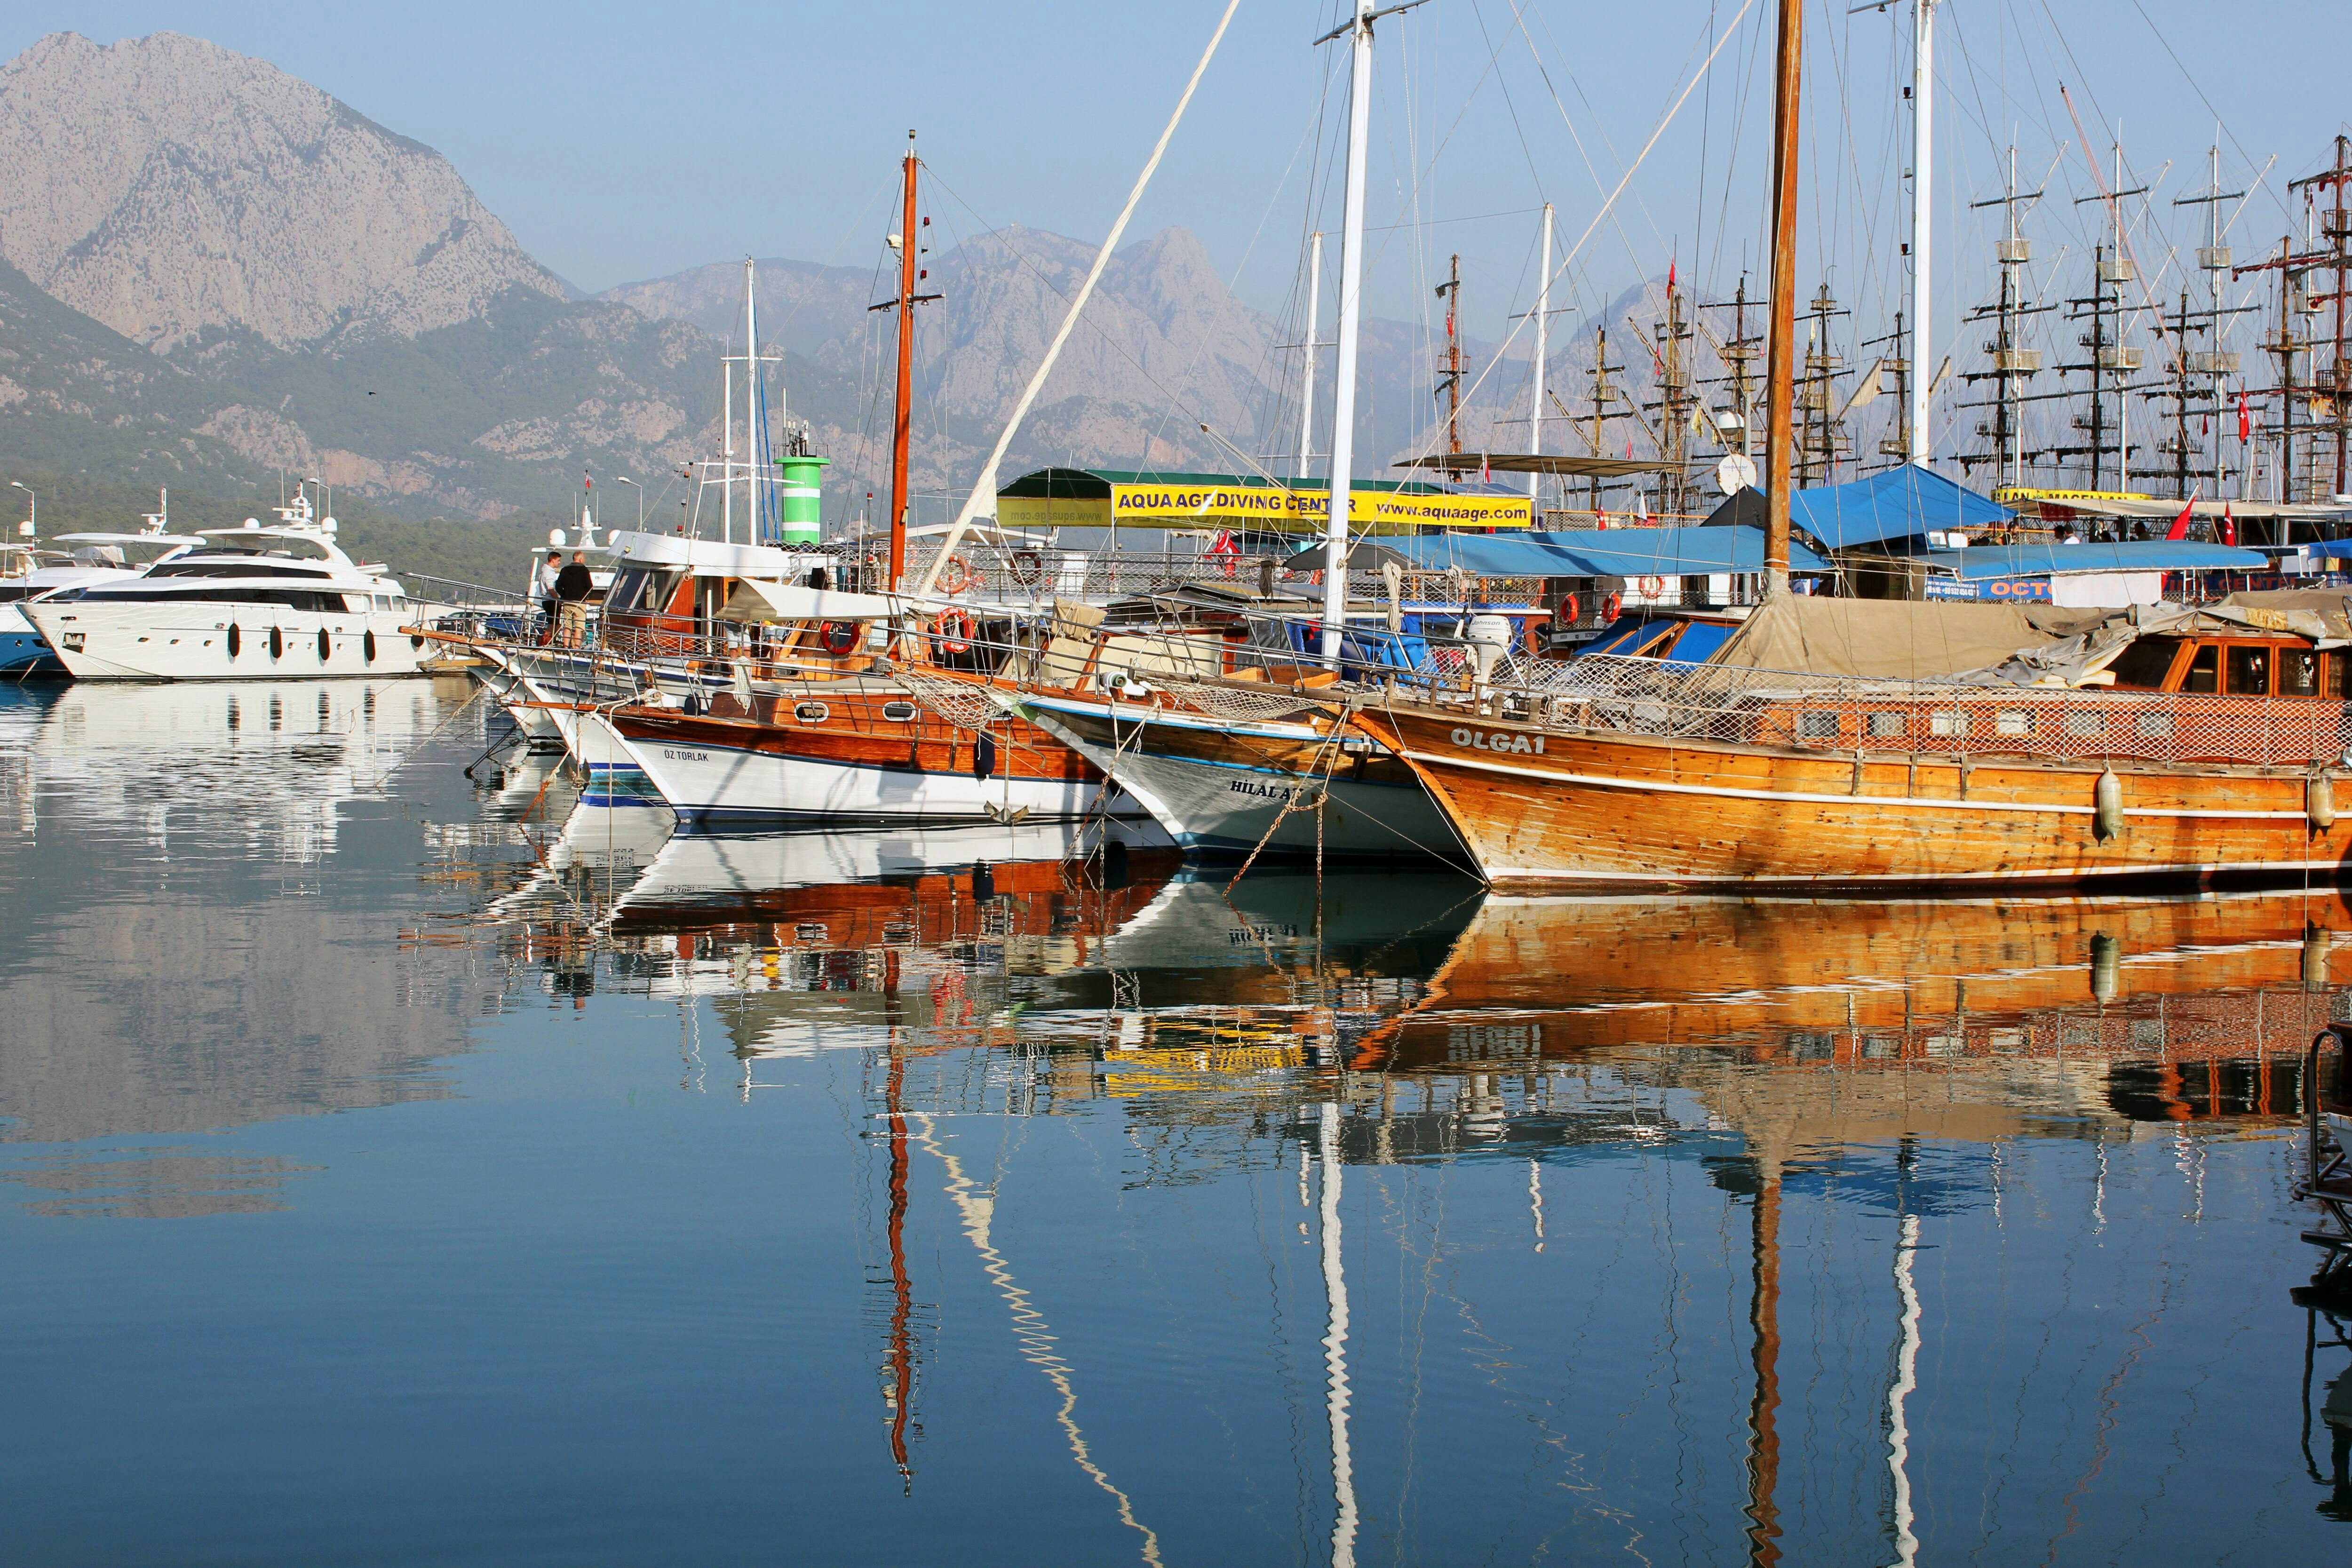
[(211, 272)]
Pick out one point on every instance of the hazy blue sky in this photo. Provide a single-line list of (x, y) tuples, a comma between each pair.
[(626, 142)]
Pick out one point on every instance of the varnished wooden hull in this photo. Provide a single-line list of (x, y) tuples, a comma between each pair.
[(841, 757), (1546, 809)]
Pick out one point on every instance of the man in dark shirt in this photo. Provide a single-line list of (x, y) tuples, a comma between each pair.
[(572, 586)]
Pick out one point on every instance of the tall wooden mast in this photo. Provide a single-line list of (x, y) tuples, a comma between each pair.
[(1449, 386), (903, 410), (1781, 380)]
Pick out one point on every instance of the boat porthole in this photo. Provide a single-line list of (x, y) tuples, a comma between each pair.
[(811, 712), (277, 642), (898, 713), (326, 648), (367, 646), (236, 640)]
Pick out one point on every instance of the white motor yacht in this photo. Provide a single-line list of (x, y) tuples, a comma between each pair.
[(275, 602), (27, 572)]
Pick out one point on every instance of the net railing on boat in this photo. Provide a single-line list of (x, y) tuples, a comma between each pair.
[(1597, 694), (1601, 694)]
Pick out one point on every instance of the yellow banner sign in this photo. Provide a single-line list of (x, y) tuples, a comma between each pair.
[(1176, 506)]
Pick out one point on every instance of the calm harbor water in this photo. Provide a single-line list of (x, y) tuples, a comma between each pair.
[(398, 1170)]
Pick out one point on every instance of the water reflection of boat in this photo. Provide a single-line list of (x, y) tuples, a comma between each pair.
[(288, 752), (719, 875), (2139, 1010)]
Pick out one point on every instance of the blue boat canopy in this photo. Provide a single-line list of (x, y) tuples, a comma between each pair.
[(1599, 552), (1908, 502), (1983, 561)]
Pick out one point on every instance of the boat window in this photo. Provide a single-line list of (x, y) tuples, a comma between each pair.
[(1883, 725), (2249, 671), (2298, 672), (1817, 726), (644, 588), (2203, 670), (12, 592), (236, 565), (2335, 676), (2144, 665), (287, 598)]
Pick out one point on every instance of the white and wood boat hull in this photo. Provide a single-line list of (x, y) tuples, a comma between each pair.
[(1218, 787), (708, 783)]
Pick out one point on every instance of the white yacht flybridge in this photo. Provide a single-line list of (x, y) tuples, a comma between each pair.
[(277, 601), (28, 571)]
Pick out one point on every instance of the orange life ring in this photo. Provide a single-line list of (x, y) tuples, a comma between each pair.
[(956, 576), (1028, 567), (1610, 606), (837, 636), (1654, 587), (1570, 612), (951, 630)]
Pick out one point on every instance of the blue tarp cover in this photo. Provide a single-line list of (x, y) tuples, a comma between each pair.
[(1599, 553), (1982, 560), (1901, 503)]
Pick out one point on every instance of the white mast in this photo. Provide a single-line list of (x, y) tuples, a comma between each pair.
[(750, 408), (727, 454), (1306, 380), (1922, 152), (1536, 392), (1351, 275)]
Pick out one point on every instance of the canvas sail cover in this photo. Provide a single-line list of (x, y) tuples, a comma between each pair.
[(1893, 639)]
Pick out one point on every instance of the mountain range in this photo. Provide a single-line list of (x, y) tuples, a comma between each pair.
[(213, 273)]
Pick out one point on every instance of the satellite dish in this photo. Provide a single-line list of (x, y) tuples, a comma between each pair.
[(1737, 472), (555, 537)]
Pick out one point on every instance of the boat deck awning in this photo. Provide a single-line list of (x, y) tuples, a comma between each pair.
[(753, 600), (1597, 553), (1908, 502), (1978, 563)]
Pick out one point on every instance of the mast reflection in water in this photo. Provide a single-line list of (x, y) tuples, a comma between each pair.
[(988, 1193)]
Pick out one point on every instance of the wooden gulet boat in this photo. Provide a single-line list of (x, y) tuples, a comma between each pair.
[(1611, 771), (884, 751)]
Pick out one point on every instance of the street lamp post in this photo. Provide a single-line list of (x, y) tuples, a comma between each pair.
[(31, 527), (624, 480)]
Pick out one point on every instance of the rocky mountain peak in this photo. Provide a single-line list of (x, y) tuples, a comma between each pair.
[(165, 186)]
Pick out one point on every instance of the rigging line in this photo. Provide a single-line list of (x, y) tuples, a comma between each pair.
[(1117, 347), (1201, 347), (2219, 122), (1606, 206), (1601, 126), (985, 483)]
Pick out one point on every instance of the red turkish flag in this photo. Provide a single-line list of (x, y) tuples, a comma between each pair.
[(2229, 525), (2246, 422), (2179, 529)]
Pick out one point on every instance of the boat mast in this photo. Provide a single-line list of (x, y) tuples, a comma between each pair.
[(1449, 386), (1307, 375), (902, 411), (1536, 392), (1780, 385), (751, 410), (1923, 146), (1351, 274)]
